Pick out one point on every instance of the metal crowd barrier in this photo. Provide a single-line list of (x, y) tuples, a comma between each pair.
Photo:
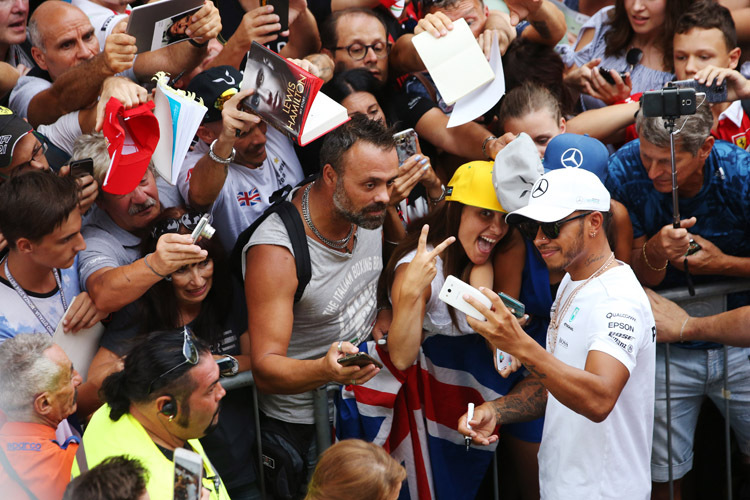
[(320, 405), (709, 299)]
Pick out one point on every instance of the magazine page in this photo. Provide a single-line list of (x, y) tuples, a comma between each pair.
[(156, 25), (179, 116), (455, 61)]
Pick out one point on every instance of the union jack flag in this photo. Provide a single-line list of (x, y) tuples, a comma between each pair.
[(249, 198), (413, 414)]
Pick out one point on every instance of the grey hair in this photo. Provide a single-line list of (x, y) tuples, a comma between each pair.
[(25, 372), (35, 37), (94, 146), (693, 130), (447, 4)]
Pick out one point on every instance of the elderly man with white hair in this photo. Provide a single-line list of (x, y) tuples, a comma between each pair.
[(38, 391)]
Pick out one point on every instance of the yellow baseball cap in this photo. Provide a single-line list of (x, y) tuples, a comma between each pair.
[(472, 185)]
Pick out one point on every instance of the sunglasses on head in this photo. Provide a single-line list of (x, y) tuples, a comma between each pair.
[(189, 351), (529, 228), (188, 221)]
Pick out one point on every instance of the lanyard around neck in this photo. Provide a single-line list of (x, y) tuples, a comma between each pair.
[(22, 293)]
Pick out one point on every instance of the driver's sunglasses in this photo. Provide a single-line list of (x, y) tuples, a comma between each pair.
[(529, 228), (189, 351), (187, 220)]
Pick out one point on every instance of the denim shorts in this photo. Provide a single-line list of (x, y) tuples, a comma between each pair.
[(694, 374)]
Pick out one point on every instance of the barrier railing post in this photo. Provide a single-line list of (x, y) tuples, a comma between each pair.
[(727, 428), (710, 299), (322, 425)]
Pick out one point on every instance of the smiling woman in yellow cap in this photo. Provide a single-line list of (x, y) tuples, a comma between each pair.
[(454, 365), (417, 269)]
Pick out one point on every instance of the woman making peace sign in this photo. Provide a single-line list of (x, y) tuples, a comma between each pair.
[(430, 341)]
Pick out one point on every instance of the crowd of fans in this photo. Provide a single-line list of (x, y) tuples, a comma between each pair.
[(343, 247)]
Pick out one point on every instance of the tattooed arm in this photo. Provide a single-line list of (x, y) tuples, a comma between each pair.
[(592, 392), (526, 401)]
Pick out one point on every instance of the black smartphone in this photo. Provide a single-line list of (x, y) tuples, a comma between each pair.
[(608, 76), (714, 93), (693, 247), (359, 359), (668, 102), (82, 168), (281, 9)]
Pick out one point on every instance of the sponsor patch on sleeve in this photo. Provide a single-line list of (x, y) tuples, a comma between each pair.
[(621, 328)]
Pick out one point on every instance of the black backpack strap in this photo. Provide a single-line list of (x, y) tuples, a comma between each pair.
[(293, 223), (294, 227)]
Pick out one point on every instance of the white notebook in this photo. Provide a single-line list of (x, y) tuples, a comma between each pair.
[(455, 61)]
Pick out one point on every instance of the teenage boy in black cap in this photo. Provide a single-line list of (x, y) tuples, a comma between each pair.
[(21, 150), (238, 162)]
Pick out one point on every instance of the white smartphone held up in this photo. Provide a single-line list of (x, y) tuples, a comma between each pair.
[(188, 472), (453, 292)]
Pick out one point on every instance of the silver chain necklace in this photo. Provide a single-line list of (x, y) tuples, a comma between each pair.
[(337, 244)]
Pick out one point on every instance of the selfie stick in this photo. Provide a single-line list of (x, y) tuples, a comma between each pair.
[(669, 123)]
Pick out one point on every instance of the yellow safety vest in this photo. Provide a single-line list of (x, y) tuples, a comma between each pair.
[(105, 438)]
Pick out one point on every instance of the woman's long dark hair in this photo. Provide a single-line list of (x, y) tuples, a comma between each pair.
[(443, 222), (620, 35), (346, 83), (159, 305)]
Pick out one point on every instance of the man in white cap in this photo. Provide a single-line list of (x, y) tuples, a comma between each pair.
[(595, 381)]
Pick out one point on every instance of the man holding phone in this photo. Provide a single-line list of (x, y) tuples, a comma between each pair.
[(714, 203), (295, 345), (594, 383)]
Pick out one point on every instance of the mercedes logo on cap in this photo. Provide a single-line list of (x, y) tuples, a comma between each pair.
[(541, 188), (571, 158)]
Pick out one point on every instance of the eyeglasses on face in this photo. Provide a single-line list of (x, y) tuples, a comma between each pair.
[(529, 228), (188, 220), (189, 351), (36, 155), (358, 51)]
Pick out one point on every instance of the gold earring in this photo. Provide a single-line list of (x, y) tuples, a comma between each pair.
[(171, 417)]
